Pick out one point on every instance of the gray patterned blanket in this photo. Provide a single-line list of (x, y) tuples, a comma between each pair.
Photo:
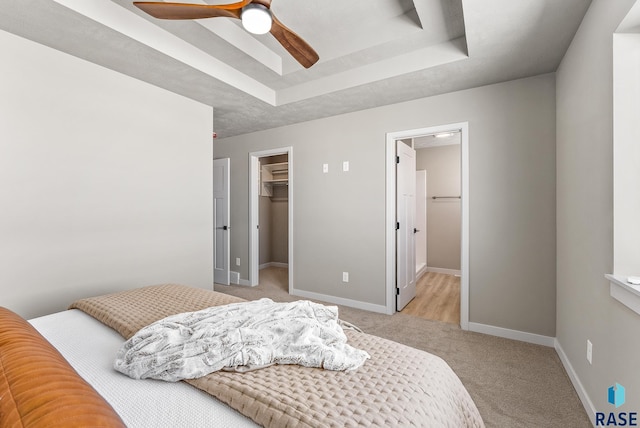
[(239, 336)]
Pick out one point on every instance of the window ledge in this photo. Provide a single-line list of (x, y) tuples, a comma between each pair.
[(625, 293)]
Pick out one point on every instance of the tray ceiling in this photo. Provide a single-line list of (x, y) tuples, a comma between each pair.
[(372, 53)]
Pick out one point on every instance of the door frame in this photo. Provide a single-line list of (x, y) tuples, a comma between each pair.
[(254, 213), (390, 251)]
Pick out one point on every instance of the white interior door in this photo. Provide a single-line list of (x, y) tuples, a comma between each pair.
[(421, 222), (221, 191), (405, 224)]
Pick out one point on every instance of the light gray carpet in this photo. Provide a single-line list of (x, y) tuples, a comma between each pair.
[(514, 384)]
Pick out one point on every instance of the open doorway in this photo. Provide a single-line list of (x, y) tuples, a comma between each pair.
[(445, 261), (437, 227), (271, 217)]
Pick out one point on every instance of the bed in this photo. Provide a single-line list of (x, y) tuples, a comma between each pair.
[(397, 386)]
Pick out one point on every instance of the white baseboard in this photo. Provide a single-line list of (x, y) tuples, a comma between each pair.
[(522, 336), (234, 278), (582, 393), (340, 301), (421, 270), (274, 264), (443, 270)]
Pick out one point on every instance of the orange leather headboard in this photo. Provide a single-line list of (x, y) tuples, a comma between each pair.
[(38, 387)]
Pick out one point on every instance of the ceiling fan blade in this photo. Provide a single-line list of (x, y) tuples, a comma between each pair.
[(162, 10), (298, 48)]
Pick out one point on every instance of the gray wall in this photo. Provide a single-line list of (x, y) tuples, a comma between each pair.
[(274, 227), (585, 215), (105, 182), (443, 215), (339, 217), (264, 211), (280, 226)]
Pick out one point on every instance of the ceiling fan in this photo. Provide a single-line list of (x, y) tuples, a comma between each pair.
[(256, 18)]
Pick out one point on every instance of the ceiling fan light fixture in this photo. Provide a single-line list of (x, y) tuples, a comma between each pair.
[(256, 18), (444, 135)]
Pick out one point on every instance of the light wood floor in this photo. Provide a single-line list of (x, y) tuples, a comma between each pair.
[(437, 298), (437, 294)]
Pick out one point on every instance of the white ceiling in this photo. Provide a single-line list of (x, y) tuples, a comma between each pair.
[(372, 53)]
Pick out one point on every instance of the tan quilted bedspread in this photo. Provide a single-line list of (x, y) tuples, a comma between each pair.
[(398, 386)]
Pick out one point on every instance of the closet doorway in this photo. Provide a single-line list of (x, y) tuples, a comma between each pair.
[(441, 241), (438, 227), (271, 213)]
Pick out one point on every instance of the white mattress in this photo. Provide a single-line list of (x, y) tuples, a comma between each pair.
[(90, 347)]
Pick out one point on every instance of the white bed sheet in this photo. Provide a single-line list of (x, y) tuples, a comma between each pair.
[(90, 347)]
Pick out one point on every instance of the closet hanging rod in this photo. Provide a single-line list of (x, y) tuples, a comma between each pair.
[(445, 197)]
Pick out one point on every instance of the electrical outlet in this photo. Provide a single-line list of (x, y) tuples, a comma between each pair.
[(237, 261), (345, 166), (589, 351), (325, 167), (345, 276)]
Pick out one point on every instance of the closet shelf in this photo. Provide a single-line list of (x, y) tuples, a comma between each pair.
[(273, 174)]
